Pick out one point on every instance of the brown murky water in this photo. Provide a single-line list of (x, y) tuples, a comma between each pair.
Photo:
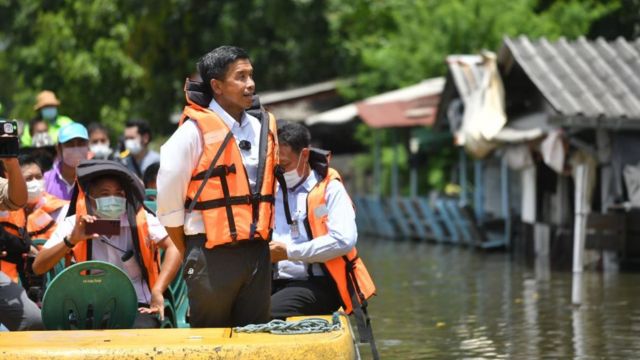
[(448, 302)]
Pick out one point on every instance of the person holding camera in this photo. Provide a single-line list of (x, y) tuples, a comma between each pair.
[(106, 221), (38, 219), (17, 311)]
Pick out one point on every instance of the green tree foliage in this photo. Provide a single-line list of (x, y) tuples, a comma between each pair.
[(76, 48), (402, 42), (110, 60)]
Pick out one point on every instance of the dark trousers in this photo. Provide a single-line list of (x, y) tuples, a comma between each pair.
[(17, 311), (316, 296), (228, 285)]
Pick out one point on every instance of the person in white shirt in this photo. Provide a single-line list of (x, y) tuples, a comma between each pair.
[(137, 155), (215, 193), (107, 195), (301, 283)]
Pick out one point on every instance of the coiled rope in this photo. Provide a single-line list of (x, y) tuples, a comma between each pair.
[(305, 326)]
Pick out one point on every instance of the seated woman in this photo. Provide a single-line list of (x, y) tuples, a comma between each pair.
[(39, 218), (108, 190)]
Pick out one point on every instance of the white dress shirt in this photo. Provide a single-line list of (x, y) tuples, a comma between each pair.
[(106, 253), (180, 155), (301, 251)]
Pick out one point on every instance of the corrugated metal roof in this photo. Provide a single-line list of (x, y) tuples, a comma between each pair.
[(582, 78), (272, 97)]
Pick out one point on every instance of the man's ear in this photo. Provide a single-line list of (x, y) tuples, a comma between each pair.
[(216, 86), (145, 139), (306, 152)]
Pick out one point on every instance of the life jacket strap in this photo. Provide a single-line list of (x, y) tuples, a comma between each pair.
[(232, 200), (12, 226), (363, 321), (43, 230), (212, 166), (230, 218), (220, 170), (279, 174)]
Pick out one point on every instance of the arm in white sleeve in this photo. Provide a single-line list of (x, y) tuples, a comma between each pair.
[(178, 157), (342, 235)]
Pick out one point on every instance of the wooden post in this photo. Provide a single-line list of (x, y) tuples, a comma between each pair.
[(579, 231), (505, 199), (377, 163), (464, 187), (478, 194), (414, 148), (394, 164)]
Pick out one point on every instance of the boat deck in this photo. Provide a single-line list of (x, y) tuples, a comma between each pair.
[(212, 343)]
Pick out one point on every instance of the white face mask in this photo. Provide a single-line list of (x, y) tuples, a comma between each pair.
[(133, 145), (73, 155), (34, 190), (41, 139), (292, 178), (101, 150)]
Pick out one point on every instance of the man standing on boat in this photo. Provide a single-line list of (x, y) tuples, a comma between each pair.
[(215, 193), (317, 265)]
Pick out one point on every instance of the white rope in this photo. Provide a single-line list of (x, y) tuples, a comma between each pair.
[(305, 326)]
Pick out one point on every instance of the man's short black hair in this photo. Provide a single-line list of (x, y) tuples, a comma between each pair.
[(294, 134), (215, 63), (142, 125), (95, 126), (150, 174), (28, 159)]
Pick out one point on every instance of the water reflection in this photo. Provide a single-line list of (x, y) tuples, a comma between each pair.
[(450, 302)]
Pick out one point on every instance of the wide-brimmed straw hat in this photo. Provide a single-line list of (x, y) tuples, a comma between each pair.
[(46, 98)]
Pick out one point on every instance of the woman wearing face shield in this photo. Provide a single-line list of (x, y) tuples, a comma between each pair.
[(105, 197), (73, 147)]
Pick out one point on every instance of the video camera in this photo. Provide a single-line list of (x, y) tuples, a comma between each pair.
[(9, 145)]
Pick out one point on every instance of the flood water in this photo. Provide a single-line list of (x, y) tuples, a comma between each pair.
[(448, 302)]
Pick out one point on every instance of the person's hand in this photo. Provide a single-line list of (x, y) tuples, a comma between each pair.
[(278, 251), (10, 161), (33, 251), (156, 306), (79, 233)]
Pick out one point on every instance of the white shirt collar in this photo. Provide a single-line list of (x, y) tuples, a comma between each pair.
[(224, 115)]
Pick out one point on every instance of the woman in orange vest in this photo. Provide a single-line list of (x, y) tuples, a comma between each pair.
[(112, 192), (215, 192), (38, 219)]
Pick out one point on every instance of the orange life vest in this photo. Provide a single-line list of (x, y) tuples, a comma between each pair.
[(145, 251), (37, 225), (230, 210), (348, 271)]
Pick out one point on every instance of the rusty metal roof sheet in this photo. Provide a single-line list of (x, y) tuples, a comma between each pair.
[(414, 105), (582, 80)]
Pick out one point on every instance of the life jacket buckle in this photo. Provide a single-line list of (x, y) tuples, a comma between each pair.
[(230, 169)]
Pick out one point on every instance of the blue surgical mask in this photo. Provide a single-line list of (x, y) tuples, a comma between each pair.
[(49, 113), (110, 207)]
